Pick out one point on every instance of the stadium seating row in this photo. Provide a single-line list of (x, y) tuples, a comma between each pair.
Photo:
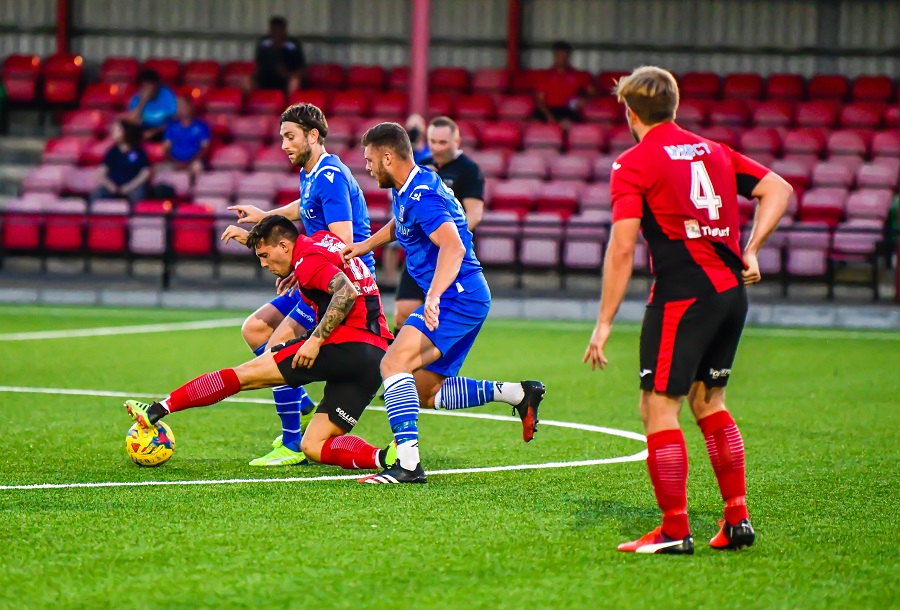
[(61, 75)]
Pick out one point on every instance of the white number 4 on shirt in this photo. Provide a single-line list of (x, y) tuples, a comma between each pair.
[(702, 193)]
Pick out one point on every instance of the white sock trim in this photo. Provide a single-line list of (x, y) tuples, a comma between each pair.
[(393, 379)]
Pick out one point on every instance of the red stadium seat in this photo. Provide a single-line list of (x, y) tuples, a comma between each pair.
[(560, 198), (691, 114), (398, 78), (366, 77), (620, 140), (515, 195), (394, 104), (103, 96), (700, 85), (23, 221), (226, 100), (220, 184), (324, 76), (220, 127), (515, 107), (375, 195), (449, 79), (527, 165), (743, 87), (93, 152), (832, 174), (722, 134), (872, 89), (886, 144), (773, 113), (795, 171), (271, 159), (603, 167), (541, 241), (571, 167), (503, 135), (82, 181), (606, 110), (497, 239), (45, 179), (869, 203), (179, 180), (202, 73), (20, 76), (829, 87), (540, 135), (823, 205), (441, 104), (490, 80), (492, 162), (258, 185), (107, 226), (477, 107), (790, 87), (62, 78), (342, 129), (865, 115), (606, 81), (169, 69), (804, 141), (64, 224), (817, 113), (728, 112), (525, 81), (254, 128), (849, 142), (317, 97), (353, 103), (263, 101), (877, 176), (239, 74), (586, 136), (585, 240), (192, 230), (120, 70), (63, 151), (229, 157), (596, 197), (892, 117)]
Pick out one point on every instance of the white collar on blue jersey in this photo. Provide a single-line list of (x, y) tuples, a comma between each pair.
[(312, 172), (412, 174)]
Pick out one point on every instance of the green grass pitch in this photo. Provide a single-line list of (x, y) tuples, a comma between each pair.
[(819, 411)]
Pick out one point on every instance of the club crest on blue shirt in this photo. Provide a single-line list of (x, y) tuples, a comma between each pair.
[(400, 217), (306, 190)]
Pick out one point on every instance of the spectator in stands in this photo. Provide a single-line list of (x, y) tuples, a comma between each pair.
[(280, 62), (415, 128), (153, 106), (562, 89), (126, 168), (186, 140)]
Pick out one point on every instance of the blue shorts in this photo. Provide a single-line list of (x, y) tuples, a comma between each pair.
[(459, 322), (295, 307)]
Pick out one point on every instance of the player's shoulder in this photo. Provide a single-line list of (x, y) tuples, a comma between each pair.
[(330, 171), (628, 160)]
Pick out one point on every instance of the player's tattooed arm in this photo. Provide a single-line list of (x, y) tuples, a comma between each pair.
[(343, 295)]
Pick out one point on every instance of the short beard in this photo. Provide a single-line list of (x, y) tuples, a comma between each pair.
[(300, 159)]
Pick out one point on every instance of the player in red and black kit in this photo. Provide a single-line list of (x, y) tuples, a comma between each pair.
[(344, 349), (680, 190)]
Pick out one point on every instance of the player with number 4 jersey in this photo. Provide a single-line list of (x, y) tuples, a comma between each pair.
[(680, 190)]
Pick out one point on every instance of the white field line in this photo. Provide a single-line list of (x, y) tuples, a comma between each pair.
[(138, 329), (95, 311), (641, 455)]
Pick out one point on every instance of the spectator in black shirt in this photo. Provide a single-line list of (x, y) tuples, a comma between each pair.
[(464, 178), (126, 168), (280, 62)]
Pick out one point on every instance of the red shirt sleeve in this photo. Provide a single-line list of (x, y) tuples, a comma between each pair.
[(747, 172), (315, 271), (627, 192)]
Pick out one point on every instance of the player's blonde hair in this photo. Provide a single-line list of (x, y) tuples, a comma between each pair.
[(651, 93)]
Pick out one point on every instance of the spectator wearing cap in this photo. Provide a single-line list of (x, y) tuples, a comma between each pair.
[(153, 106), (562, 89), (280, 62), (126, 168), (186, 140)]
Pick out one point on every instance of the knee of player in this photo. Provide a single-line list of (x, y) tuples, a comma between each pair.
[(311, 448), (254, 332)]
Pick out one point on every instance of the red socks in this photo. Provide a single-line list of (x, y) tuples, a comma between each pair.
[(668, 465), (350, 453), (726, 452), (203, 391)]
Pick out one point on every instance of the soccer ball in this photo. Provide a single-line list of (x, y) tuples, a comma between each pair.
[(150, 446)]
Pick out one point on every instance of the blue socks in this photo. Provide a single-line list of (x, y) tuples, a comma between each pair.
[(401, 401), (290, 403), (463, 393)]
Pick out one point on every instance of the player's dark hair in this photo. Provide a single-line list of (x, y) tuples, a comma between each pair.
[(391, 136), (132, 134), (445, 121), (277, 21), (562, 45), (270, 230), (149, 75), (308, 117), (651, 93)]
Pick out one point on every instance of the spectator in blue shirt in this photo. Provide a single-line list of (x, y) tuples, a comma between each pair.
[(126, 168), (153, 106), (186, 140)]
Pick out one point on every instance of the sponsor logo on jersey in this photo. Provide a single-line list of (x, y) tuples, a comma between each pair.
[(343, 415), (330, 176), (719, 373), (692, 229), (616, 165), (687, 152)]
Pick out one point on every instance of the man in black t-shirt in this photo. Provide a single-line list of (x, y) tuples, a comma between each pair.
[(464, 178), (279, 59)]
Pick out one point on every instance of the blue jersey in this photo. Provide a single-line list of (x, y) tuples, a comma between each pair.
[(329, 193), (422, 205)]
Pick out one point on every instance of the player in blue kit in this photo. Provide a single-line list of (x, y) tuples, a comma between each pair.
[(330, 200), (420, 366)]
